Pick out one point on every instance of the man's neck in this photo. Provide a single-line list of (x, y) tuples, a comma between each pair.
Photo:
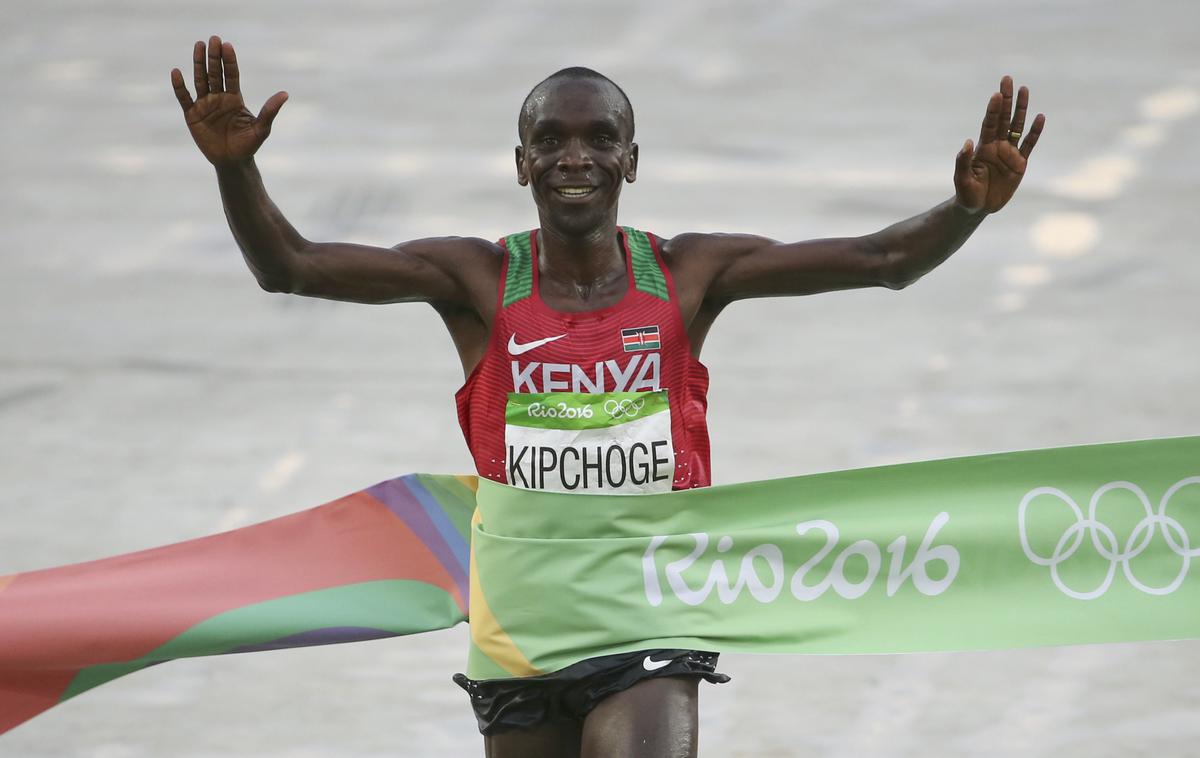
[(583, 260)]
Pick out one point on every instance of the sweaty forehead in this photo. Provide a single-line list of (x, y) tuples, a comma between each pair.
[(576, 100)]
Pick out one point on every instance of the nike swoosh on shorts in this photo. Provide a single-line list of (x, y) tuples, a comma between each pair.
[(516, 348), (652, 665)]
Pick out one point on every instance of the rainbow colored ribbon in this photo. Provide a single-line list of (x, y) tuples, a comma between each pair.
[(1046, 547)]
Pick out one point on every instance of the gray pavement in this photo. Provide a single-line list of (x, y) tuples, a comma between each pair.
[(150, 392)]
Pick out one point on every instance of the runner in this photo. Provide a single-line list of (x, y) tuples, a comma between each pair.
[(580, 340)]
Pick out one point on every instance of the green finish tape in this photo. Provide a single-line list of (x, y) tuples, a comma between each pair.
[(1046, 547)]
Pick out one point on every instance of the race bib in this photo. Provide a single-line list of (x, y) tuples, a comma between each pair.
[(595, 443)]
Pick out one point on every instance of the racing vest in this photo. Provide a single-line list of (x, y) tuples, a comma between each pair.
[(608, 401)]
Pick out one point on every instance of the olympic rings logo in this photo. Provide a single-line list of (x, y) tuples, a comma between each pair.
[(1105, 542), (626, 408)]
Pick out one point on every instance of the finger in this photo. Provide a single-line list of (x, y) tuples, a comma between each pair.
[(229, 60), (181, 90), (215, 76), (1018, 121), (267, 115), (199, 74), (991, 120), (1006, 100), (1035, 131), (962, 163)]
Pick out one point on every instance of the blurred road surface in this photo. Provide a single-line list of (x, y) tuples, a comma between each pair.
[(150, 392)]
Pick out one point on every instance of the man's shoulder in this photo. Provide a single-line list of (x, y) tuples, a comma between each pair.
[(474, 263), (453, 250), (698, 259), (693, 245)]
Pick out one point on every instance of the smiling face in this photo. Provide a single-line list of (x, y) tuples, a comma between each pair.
[(576, 150)]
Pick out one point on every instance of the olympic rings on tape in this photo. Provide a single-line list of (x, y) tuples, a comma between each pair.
[(624, 408), (1105, 542)]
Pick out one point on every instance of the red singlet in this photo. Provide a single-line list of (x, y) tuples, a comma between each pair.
[(604, 401)]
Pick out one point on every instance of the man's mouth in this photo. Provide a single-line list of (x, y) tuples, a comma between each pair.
[(574, 191)]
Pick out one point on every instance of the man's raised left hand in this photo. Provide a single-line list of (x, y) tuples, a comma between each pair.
[(987, 175)]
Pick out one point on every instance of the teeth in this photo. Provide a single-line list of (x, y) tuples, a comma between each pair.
[(575, 191)]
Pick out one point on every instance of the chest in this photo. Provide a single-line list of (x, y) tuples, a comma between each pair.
[(611, 350), (575, 298)]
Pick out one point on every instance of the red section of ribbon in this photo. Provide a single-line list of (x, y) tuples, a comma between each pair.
[(55, 622)]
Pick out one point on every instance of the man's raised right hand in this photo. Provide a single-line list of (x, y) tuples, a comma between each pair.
[(223, 128)]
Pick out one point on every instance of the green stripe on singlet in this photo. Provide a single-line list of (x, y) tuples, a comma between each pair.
[(518, 284), (647, 276)]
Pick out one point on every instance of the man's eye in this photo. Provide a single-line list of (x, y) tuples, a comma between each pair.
[(549, 140)]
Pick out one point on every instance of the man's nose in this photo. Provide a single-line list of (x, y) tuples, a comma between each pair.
[(575, 157)]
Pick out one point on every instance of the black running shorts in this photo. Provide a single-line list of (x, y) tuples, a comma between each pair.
[(571, 693)]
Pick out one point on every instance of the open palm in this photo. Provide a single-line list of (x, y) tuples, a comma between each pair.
[(987, 175), (223, 128)]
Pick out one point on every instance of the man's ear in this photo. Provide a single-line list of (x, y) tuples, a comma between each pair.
[(631, 169), (522, 177)]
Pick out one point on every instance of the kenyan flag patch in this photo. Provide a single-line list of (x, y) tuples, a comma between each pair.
[(640, 338)]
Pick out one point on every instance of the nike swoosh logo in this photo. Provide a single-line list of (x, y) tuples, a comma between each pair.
[(652, 665), (516, 348)]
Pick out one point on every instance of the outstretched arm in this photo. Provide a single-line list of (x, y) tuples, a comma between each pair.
[(733, 267), (451, 271)]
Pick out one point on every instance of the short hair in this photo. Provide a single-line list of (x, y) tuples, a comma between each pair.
[(572, 72)]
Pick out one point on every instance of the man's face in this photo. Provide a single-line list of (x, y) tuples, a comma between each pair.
[(576, 151)]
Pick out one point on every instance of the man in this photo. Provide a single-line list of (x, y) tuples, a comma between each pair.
[(569, 333)]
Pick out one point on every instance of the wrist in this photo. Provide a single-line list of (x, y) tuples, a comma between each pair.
[(962, 209), (233, 166)]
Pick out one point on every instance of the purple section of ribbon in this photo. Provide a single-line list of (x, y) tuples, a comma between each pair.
[(330, 635), (402, 502), (437, 514)]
